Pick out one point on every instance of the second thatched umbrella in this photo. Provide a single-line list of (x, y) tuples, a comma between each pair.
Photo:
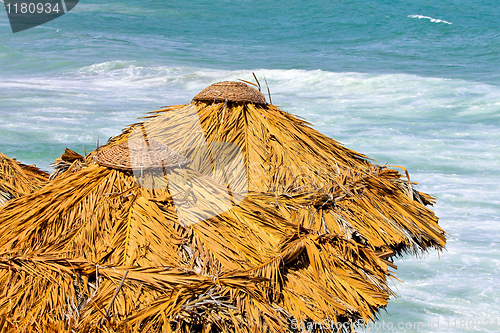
[(139, 240)]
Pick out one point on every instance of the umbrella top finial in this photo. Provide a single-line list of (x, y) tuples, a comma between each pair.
[(232, 92), (139, 154)]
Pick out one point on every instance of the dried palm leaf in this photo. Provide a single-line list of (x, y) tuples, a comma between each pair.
[(17, 179), (69, 162)]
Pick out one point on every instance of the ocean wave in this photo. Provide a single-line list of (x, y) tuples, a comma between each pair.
[(306, 92), (98, 100), (433, 20)]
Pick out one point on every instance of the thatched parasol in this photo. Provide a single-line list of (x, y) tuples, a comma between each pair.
[(108, 247), (309, 177), (17, 179)]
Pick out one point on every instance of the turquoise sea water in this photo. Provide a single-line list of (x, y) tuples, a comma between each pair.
[(411, 83)]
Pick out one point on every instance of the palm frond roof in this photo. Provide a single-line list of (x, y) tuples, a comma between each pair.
[(339, 190), (65, 248)]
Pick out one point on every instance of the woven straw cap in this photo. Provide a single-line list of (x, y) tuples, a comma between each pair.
[(232, 92), (137, 154)]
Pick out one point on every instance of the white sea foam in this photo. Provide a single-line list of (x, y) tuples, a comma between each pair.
[(433, 20), (330, 100)]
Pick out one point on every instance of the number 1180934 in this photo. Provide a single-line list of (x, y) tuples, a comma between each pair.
[(32, 8)]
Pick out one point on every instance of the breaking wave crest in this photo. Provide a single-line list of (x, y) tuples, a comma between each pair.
[(433, 20)]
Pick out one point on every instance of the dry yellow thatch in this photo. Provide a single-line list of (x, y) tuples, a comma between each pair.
[(298, 231), (247, 269), (17, 179), (69, 162)]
